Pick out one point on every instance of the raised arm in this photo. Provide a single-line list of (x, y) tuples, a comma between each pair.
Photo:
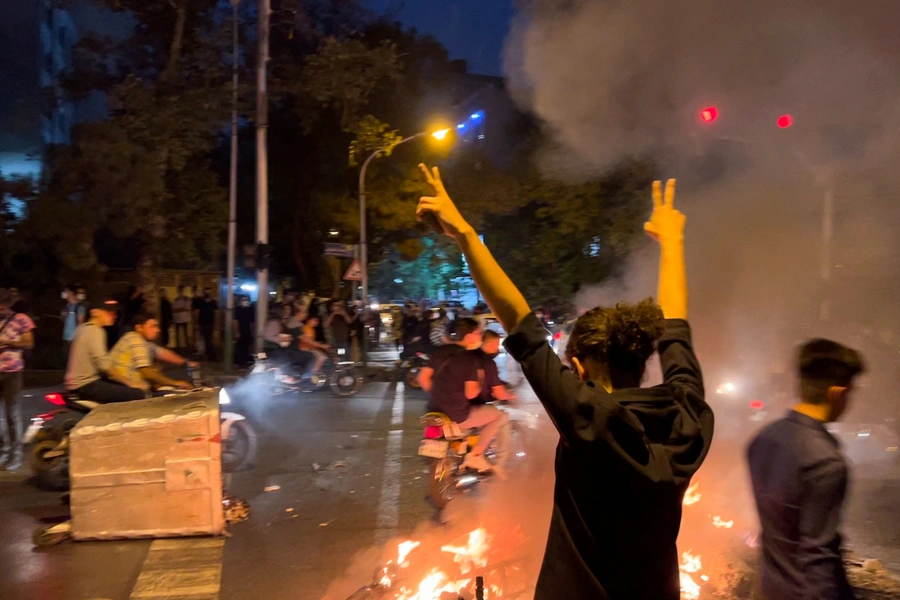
[(666, 226), (504, 298)]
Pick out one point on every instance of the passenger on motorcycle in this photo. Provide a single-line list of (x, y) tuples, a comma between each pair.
[(455, 377), (494, 387), (308, 343), (132, 358), (88, 372)]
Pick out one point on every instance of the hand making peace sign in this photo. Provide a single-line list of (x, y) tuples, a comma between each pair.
[(666, 222)]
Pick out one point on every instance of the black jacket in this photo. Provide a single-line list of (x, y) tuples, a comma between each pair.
[(623, 463)]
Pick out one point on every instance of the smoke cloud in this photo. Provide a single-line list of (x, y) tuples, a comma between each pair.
[(612, 79)]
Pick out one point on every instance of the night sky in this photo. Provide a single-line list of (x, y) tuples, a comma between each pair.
[(473, 30)]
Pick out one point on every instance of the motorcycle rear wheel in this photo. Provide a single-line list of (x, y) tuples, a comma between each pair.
[(441, 484), (345, 383)]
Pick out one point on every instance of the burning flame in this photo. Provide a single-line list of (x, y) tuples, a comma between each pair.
[(690, 589), (721, 523), (473, 554), (403, 551), (692, 496)]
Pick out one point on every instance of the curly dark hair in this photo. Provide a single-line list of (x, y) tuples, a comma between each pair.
[(622, 338)]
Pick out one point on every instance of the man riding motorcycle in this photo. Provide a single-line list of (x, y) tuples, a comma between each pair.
[(455, 377), (88, 373), (494, 387), (132, 358)]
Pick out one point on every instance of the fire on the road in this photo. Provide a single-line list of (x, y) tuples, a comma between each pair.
[(472, 553), (468, 556), (691, 564)]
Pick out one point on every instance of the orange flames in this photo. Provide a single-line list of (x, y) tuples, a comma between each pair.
[(692, 496), (469, 556), (691, 564)]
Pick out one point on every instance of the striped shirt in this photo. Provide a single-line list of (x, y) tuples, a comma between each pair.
[(130, 354)]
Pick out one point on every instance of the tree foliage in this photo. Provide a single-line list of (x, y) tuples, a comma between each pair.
[(147, 184)]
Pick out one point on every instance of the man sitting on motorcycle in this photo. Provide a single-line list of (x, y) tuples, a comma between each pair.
[(132, 358), (88, 372), (494, 388), (456, 377), (308, 343)]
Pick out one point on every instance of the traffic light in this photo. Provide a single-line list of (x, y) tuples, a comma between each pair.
[(785, 121), (709, 114)]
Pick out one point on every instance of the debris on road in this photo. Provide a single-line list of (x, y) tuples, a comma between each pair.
[(271, 488), (235, 510), (338, 464), (327, 523)]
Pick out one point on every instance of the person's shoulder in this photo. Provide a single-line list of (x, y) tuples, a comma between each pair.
[(23, 322)]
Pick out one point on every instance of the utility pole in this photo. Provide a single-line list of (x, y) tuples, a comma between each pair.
[(262, 177), (228, 326)]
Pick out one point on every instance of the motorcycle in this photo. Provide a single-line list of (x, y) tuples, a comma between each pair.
[(410, 368), (338, 374), (446, 446), (47, 437)]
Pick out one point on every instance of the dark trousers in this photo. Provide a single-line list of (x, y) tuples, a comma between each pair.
[(242, 354), (164, 334), (108, 392), (207, 332), (181, 336), (10, 386)]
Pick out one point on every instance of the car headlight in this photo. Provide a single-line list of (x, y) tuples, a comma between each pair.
[(224, 398)]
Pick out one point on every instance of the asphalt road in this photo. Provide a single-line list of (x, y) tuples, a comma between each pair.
[(350, 488)]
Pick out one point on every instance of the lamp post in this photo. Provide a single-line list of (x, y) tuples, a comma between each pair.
[(262, 177), (363, 239), (227, 327)]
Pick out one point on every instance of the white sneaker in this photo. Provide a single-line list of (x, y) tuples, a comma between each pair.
[(477, 462)]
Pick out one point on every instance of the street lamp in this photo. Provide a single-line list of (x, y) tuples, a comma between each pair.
[(440, 135)]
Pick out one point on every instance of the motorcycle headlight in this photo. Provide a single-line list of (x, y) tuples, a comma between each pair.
[(224, 398)]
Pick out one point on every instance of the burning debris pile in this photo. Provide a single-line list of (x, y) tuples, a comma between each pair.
[(475, 566), (725, 565)]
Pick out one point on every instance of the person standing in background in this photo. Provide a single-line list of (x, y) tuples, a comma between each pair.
[(196, 303), (206, 319), (73, 314), (181, 316), (16, 335), (244, 317), (338, 326), (165, 318)]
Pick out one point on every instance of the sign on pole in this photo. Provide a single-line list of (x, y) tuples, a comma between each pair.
[(341, 250), (354, 273)]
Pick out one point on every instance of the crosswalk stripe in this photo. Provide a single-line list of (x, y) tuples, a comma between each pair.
[(182, 569)]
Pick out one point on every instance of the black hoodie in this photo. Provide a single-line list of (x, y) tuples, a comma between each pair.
[(623, 463)]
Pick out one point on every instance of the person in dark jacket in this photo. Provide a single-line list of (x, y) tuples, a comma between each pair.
[(626, 454), (800, 481)]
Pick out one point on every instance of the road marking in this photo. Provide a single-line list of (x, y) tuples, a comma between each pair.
[(389, 504), (397, 410), (176, 569)]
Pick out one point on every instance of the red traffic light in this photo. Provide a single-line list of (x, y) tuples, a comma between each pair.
[(785, 121), (709, 114)]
